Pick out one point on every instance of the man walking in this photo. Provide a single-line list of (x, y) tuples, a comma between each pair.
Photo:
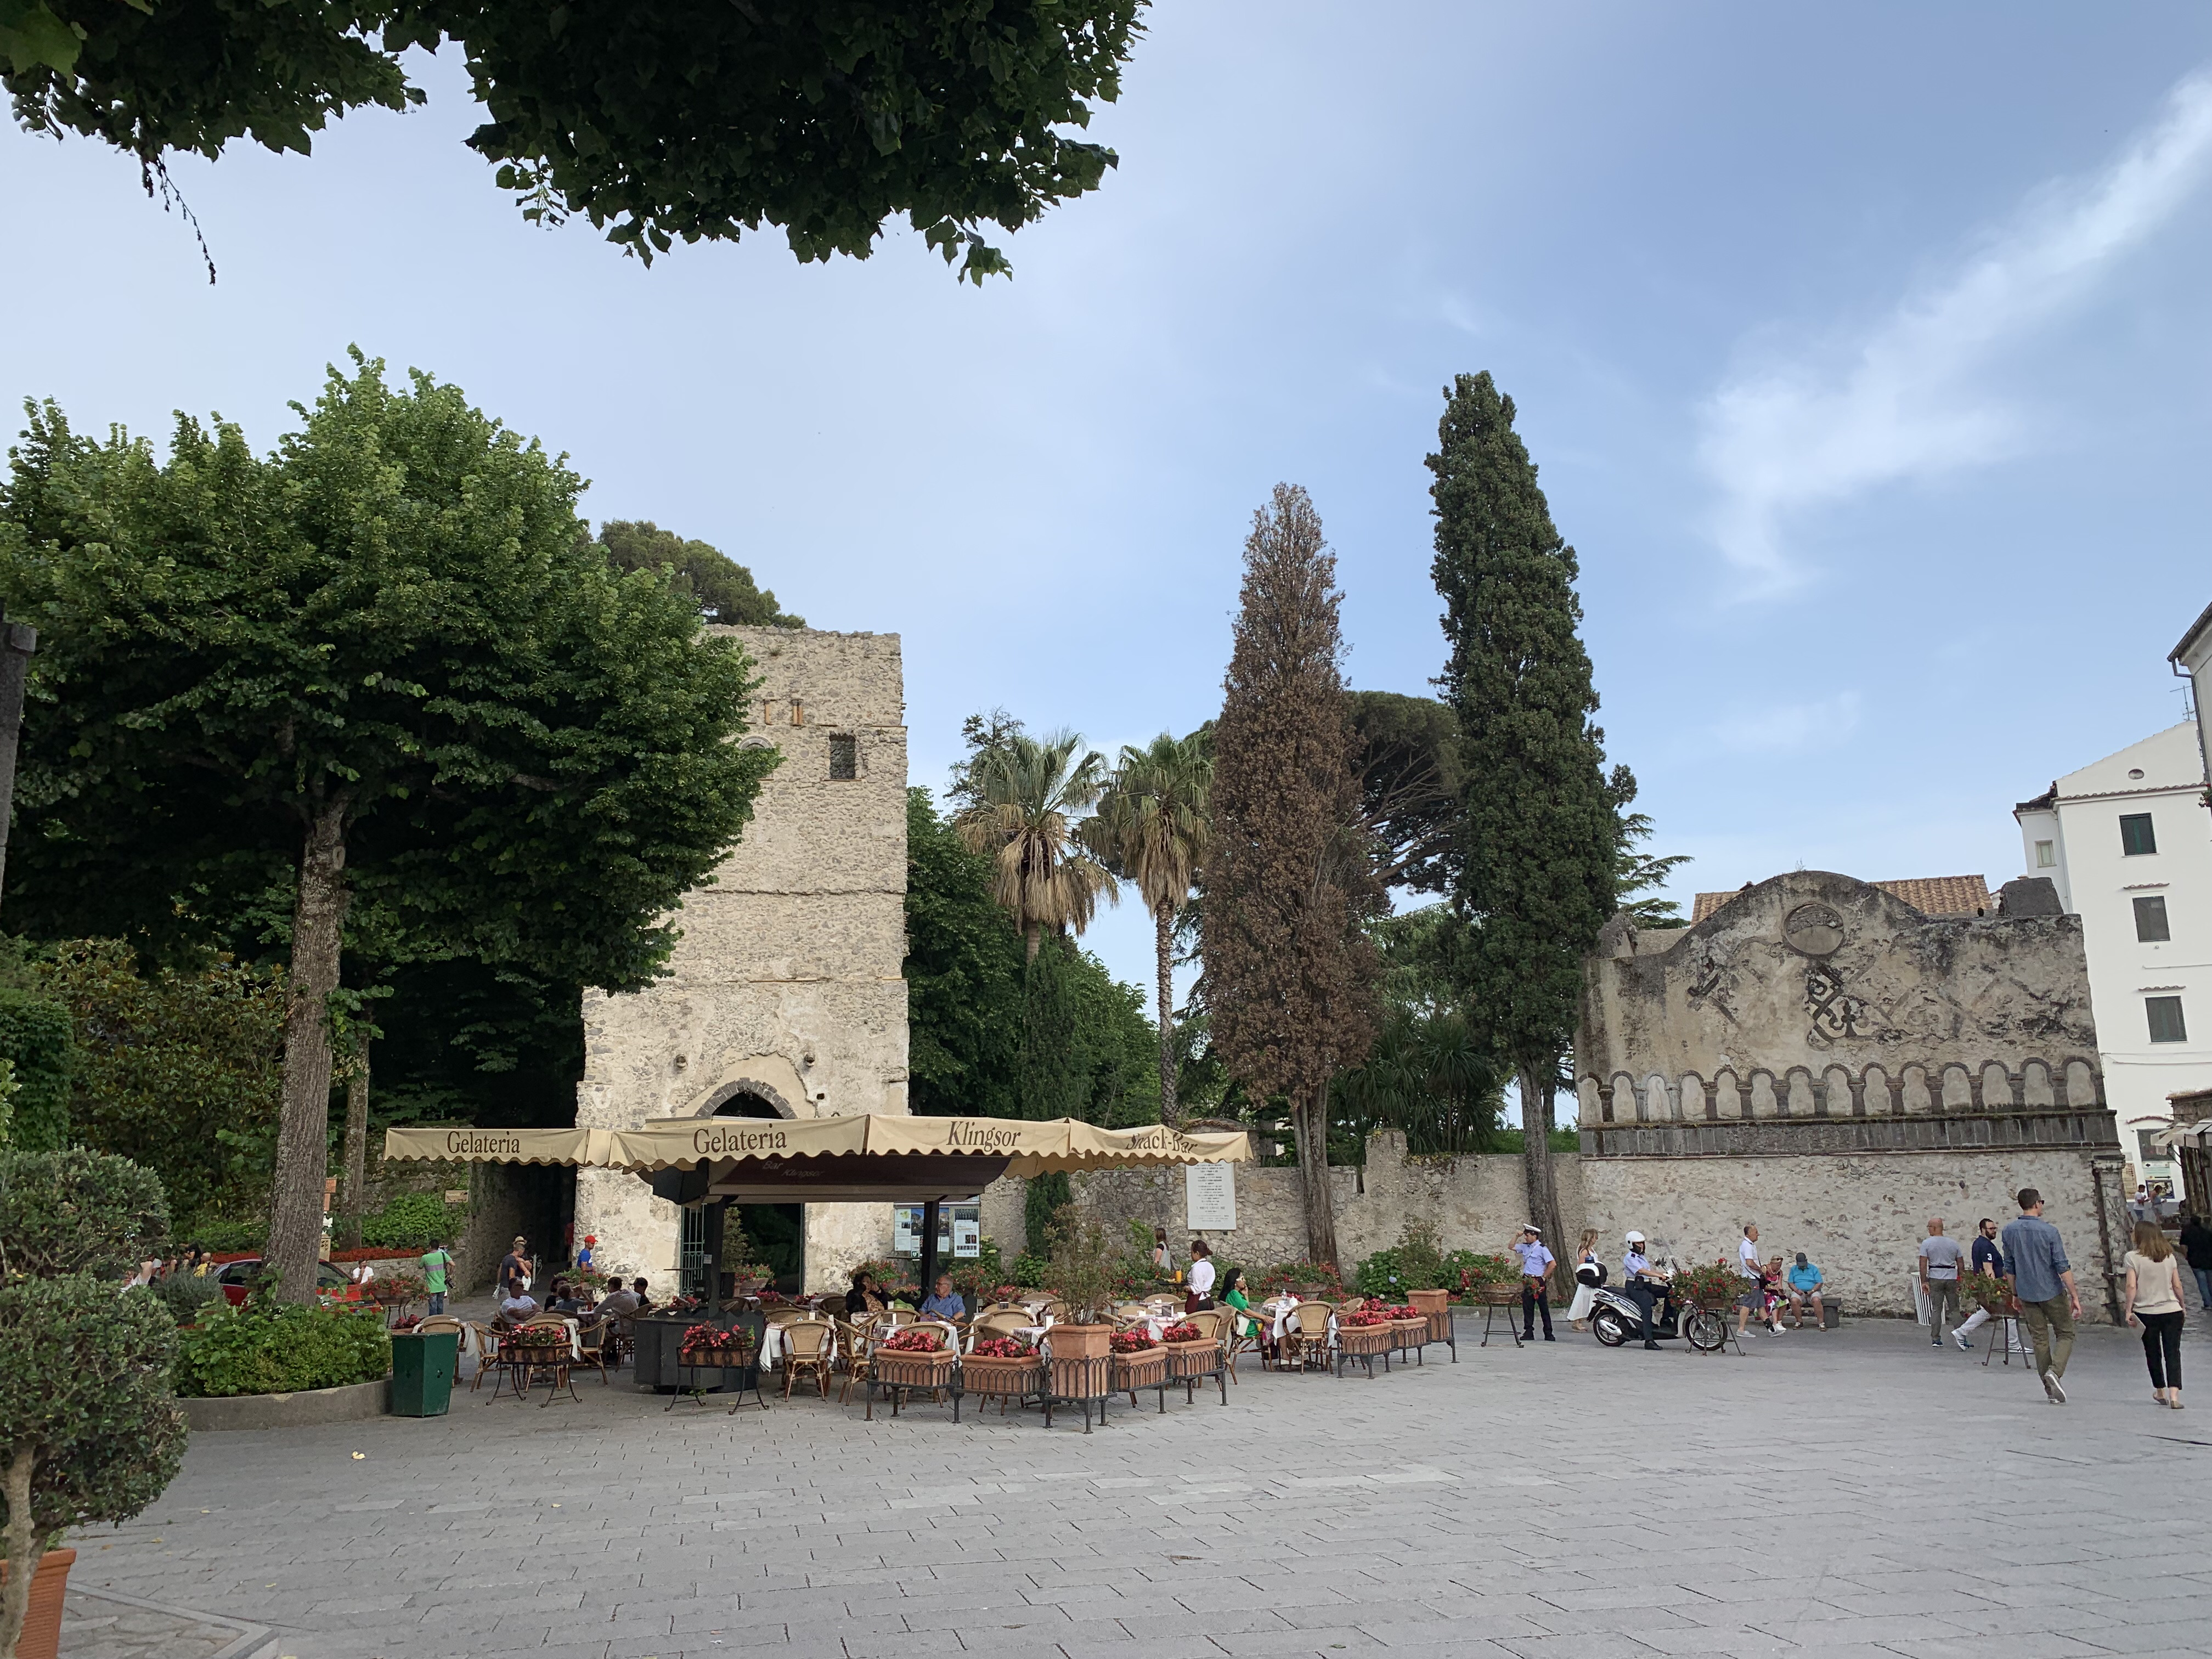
[(2043, 1283), (437, 1264), (1939, 1278), (1754, 1299), (1535, 1282), (1988, 1259)]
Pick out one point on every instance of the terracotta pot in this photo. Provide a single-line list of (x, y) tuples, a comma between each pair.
[(908, 1369), (42, 1628), (1141, 1371), (1430, 1302), (1191, 1358), (1366, 1339), (986, 1373), (1079, 1341)]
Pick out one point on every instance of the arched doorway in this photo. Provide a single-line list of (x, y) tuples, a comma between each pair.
[(775, 1233)]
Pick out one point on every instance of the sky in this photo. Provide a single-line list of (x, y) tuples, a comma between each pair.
[(1863, 351)]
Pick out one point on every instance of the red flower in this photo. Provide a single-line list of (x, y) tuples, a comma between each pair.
[(1185, 1332), (1004, 1347), (915, 1339), (1132, 1341)]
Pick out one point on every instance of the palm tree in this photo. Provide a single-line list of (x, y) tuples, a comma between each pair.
[(1152, 828), (1027, 793)]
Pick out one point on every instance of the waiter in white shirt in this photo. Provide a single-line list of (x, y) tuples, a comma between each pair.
[(1200, 1294)]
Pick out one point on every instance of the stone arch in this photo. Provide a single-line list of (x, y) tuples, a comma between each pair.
[(1589, 1104), (1659, 1104), (1627, 1104), (1835, 1099), (1916, 1094), (1696, 1103), (1763, 1102), (1958, 1087), (1874, 1093), (2035, 1085), (1731, 1099), (2081, 1084), (1800, 1101), (746, 1097), (1997, 1087)]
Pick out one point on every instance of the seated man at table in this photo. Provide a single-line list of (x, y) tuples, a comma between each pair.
[(644, 1301), (519, 1307), (618, 1301), (943, 1303)]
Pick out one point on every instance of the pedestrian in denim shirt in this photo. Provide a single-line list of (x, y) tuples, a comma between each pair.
[(2042, 1280)]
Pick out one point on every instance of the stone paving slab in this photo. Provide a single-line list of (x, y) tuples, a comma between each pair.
[(1829, 1495), (104, 1625)]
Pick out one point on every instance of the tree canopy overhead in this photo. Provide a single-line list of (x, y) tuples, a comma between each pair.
[(655, 119), (723, 589)]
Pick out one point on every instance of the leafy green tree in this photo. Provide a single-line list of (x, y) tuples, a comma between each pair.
[(655, 119), (177, 1070), (1536, 872), (722, 588), (383, 659), (1637, 875), (1409, 785), (1430, 1076), (1290, 974), (77, 1212), (1028, 794), (963, 976), (36, 1040), (1151, 827)]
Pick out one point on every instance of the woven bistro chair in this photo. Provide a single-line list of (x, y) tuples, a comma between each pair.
[(595, 1344), (857, 1348), (489, 1362), (559, 1358), (998, 1324), (1305, 1336), (809, 1344), (1128, 1313)]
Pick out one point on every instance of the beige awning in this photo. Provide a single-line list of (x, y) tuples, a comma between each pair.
[(1032, 1146), (500, 1145), (1090, 1147)]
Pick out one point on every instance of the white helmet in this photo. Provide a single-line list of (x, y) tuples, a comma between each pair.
[(1635, 1237)]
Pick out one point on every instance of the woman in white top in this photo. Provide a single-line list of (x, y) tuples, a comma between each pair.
[(1201, 1276), (1585, 1285), (2154, 1302)]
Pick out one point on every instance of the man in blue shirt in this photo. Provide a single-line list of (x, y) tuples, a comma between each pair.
[(2043, 1281), (1988, 1259), (1805, 1282), (1535, 1281), (1644, 1283), (944, 1302)]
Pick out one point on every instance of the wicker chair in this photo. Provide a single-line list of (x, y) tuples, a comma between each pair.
[(595, 1340), (997, 1324), (808, 1347), (488, 1362), (1305, 1336), (1242, 1334)]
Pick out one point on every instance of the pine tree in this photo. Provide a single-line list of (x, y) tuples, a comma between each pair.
[(1290, 972), (1535, 871)]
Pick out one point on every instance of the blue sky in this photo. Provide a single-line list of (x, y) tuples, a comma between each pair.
[(1864, 352)]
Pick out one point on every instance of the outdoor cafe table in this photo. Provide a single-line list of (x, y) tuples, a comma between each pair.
[(657, 1342)]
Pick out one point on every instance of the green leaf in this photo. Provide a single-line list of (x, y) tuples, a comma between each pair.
[(31, 37)]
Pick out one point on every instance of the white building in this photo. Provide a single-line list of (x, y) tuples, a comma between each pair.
[(2193, 659), (2128, 842)]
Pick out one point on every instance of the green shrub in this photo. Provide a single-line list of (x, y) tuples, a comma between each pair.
[(1415, 1262), (77, 1210), (278, 1348), (184, 1294), (413, 1221), (1030, 1271), (227, 1233), (84, 1392), (36, 1036)]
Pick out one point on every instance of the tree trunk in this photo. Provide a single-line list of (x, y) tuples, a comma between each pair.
[(1163, 921), (1311, 1117), (303, 1127), (353, 1171), (24, 1548), (1536, 1173), (1036, 938)]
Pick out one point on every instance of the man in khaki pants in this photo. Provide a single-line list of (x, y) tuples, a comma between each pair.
[(2042, 1280), (1939, 1261)]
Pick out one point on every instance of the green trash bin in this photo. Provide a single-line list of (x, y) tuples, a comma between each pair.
[(422, 1372)]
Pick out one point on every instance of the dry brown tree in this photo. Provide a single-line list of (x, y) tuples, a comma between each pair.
[(1289, 974)]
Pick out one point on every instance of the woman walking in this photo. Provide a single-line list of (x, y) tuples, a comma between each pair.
[(2154, 1302), (1589, 1274)]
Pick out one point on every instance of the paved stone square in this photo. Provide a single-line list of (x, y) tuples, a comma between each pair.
[(1848, 1493)]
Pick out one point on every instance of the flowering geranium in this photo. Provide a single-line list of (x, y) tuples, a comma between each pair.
[(406, 1322), (1004, 1347), (1136, 1341), (1405, 1312), (1184, 1332), (1363, 1316), (1006, 1293), (1714, 1286), (915, 1339), (542, 1336), (714, 1337)]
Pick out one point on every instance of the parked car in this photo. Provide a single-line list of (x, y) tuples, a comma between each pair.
[(237, 1278)]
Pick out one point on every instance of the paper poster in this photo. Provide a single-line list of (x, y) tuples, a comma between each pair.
[(1210, 1197)]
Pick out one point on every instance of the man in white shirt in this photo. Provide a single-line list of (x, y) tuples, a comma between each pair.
[(1535, 1281), (1754, 1299)]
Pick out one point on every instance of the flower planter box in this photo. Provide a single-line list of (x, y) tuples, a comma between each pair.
[(42, 1628), (1079, 1341), (1412, 1333), (1430, 1303), (1366, 1344), (1000, 1377), (894, 1368), (1147, 1370), (1199, 1359)]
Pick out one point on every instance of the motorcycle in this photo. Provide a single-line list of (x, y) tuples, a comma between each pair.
[(1616, 1319)]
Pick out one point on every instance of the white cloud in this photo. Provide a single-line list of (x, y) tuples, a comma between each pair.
[(1903, 402), (1784, 727)]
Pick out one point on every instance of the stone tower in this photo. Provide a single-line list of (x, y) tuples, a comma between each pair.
[(785, 997)]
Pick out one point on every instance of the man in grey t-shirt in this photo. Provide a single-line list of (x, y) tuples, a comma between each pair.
[(1940, 1264)]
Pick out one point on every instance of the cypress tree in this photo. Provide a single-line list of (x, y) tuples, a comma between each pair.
[(1532, 876)]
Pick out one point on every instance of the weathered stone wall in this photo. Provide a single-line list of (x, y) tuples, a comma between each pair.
[(785, 988), (1820, 1057), (1474, 1203)]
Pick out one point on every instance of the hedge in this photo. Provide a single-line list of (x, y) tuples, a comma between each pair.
[(37, 1035), (278, 1348)]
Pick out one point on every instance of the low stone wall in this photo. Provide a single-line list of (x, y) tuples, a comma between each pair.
[(304, 1409)]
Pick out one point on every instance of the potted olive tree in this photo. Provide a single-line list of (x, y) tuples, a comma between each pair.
[(88, 1431)]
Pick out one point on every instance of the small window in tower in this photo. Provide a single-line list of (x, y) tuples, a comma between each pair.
[(2150, 922), (2046, 855), (844, 757), (797, 712), (2136, 835), (2167, 1024)]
